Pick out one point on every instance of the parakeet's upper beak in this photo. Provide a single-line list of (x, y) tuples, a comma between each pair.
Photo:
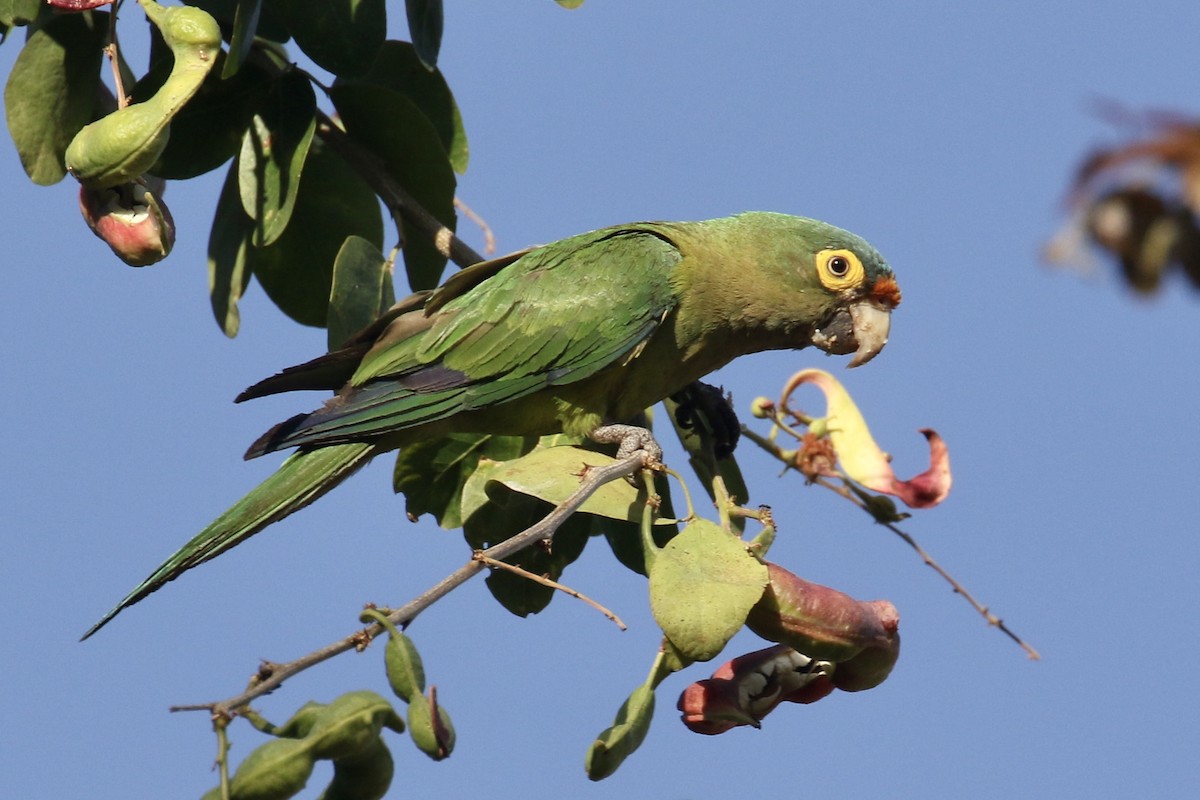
[(871, 326), (861, 329)]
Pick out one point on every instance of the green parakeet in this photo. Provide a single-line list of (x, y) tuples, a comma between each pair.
[(567, 337)]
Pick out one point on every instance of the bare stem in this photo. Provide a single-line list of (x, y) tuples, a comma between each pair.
[(546, 581), (489, 239), (269, 679), (958, 588)]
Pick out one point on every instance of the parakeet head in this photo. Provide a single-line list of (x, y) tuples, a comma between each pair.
[(846, 284)]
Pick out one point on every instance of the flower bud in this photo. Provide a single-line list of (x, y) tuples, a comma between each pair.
[(131, 220)]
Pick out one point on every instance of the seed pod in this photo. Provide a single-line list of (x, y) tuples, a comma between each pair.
[(405, 672), (364, 776), (816, 620), (749, 687), (273, 771), (433, 733), (348, 725), (871, 667), (302, 722), (121, 146), (134, 222)]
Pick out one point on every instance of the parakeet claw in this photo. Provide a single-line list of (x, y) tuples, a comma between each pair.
[(630, 439)]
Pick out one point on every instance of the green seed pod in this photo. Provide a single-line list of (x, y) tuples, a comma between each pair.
[(301, 722), (348, 725), (433, 737), (616, 743), (120, 147), (405, 672), (274, 771), (364, 776)]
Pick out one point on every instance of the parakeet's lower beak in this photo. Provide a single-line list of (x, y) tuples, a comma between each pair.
[(861, 329)]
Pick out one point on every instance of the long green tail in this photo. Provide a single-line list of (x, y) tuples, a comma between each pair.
[(301, 479)]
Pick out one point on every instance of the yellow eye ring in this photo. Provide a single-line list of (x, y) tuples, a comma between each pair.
[(839, 270)]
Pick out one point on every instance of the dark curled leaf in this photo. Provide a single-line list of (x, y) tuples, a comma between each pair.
[(333, 202), (362, 289), (229, 255), (399, 68), (425, 27), (341, 36), (394, 128), (273, 151), (431, 474)]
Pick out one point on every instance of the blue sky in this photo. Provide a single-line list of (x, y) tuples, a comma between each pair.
[(945, 133)]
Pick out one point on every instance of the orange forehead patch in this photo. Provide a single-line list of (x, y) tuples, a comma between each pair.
[(886, 292)]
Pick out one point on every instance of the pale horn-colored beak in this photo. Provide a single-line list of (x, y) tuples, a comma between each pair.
[(871, 326)]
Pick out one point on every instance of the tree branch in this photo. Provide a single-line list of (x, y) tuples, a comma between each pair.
[(374, 171), (273, 675)]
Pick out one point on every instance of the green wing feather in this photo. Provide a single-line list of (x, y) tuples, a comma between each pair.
[(557, 315)]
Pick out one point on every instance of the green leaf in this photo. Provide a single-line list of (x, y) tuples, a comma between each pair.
[(270, 25), (229, 255), (702, 586), (425, 28), (18, 12), (362, 289), (273, 152), (333, 203), (393, 127), (349, 724), (629, 729), (431, 474), (51, 91), (397, 67), (497, 522), (245, 24), (278, 769), (553, 474), (569, 3), (341, 36), (364, 776)]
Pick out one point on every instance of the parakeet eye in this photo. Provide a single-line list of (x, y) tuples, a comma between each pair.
[(839, 269)]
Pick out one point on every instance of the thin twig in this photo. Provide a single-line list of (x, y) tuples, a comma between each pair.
[(372, 169), (788, 458), (489, 239), (546, 581), (958, 588), (591, 480)]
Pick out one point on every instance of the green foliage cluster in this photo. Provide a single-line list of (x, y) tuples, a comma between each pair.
[(293, 213)]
